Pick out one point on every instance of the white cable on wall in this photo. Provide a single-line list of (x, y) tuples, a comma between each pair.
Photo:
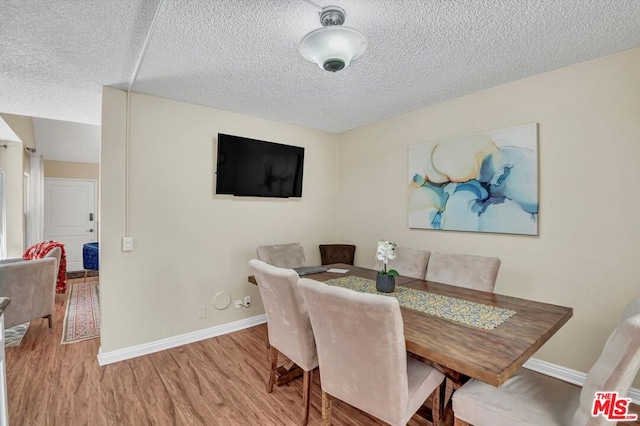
[(145, 45), (310, 3), (126, 169), (134, 76)]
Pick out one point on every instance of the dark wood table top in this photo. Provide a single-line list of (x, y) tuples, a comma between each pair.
[(461, 351)]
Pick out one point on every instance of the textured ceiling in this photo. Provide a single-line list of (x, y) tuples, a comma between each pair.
[(242, 55)]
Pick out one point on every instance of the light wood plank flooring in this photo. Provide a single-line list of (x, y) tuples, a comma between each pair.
[(219, 381)]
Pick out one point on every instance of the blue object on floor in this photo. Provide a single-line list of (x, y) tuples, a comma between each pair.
[(90, 256)]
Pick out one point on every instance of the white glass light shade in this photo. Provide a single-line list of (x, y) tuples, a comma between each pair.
[(333, 47)]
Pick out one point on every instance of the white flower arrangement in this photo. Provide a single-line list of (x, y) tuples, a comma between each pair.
[(386, 251)]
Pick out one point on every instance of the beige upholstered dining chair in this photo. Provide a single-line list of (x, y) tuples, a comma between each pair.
[(408, 262), (530, 398), (288, 325), (282, 255), (463, 270), (632, 309), (362, 355)]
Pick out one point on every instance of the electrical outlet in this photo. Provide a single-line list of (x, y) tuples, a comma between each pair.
[(246, 301), (202, 312)]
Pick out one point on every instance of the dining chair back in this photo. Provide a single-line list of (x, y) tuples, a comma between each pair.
[(530, 398), (408, 262), (615, 369), (282, 255), (463, 270), (362, 355), (337, 253), (632, 309), (288, 324)]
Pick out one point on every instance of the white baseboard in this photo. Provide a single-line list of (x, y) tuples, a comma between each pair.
[(569, 375), (118, 355), (566, 374)]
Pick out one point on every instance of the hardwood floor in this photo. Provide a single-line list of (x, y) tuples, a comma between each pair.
[(219, 381)]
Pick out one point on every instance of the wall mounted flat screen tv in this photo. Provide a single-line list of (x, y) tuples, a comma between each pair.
[(255, 168)]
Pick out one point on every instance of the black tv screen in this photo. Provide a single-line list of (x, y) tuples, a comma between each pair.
[(254, 168)]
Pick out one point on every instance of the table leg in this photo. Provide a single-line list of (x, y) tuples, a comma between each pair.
[(288, 372), (453, 381)]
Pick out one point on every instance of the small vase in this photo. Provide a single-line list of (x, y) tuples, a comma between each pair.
[(385, 283)]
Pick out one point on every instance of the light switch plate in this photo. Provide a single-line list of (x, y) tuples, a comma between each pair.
[(127, 243)]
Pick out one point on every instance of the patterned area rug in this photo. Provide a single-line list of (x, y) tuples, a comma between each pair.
[(80, 274), (82, 318), (13, 335)]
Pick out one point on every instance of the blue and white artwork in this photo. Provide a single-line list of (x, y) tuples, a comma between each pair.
[(487, 182)]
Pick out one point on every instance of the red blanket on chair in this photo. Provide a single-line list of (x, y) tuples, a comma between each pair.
[(38, 251)]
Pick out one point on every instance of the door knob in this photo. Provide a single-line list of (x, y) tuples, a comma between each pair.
[(90, 230)]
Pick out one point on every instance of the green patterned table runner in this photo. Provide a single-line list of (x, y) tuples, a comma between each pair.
[(451, 308)]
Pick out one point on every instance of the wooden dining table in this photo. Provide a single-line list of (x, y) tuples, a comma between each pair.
[(463, 351)]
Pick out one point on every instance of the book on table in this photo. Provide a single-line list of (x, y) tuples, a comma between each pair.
[(306, 270)]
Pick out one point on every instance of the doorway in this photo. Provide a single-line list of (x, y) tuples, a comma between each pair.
[(70, 207)]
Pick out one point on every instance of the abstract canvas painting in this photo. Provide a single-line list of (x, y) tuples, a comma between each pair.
[(486, 182)]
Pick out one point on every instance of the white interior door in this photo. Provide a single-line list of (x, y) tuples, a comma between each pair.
[(69, 216)]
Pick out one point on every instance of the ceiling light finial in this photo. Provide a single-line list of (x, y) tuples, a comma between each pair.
[(333, 46), (332, 15)]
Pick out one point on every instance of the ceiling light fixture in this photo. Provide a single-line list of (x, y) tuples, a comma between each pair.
[(333, 46)]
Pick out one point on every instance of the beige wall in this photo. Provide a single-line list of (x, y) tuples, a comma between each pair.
[(15, 161), (189, 243), (22, 126), (586, 255), (71, 170), (11, 161)]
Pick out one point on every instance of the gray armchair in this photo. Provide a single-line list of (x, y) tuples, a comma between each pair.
[(31, 285)]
